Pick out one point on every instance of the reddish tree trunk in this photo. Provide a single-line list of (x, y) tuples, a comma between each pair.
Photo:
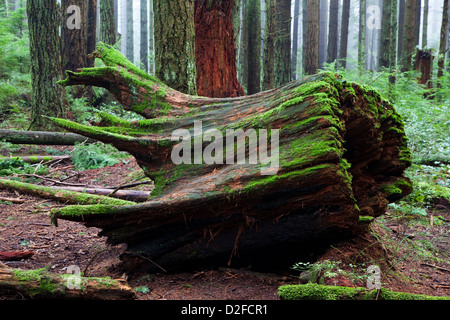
[(215, 50)]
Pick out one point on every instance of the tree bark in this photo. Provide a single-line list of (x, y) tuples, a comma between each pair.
[(108, 22), (409, 37), (254, 46), (174, 29), (443, 42), (215, 50), (311, 57), (42, 284), (130, 31), (282, 58), (333, 32), (362, 37), (344, 34), (294, 39), (47, 98), (342, 153), (383, 60), (269, 47), (144, 35)]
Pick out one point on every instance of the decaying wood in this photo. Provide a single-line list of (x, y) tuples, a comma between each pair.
[(342, 154), (41, 137), (41, 284), (15, 255), (35, 159), (71, 195)]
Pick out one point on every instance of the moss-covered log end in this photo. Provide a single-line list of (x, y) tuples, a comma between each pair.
[(313, 291)]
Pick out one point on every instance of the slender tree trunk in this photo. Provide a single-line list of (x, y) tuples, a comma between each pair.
[(107, 22), (215, 50), (383, 60), (312, 37), (333, 32), (393, 40), (144, 35), (409, 36), (362, 37), (443, 42), (269, 46), (323, 32), (344, 34), (254, 46), (282, 58), (425, 24), (294, 39), (151, 40), (243, 55), (47, 97), (174, 35), (401, 29), (91, 39), (130, 31)]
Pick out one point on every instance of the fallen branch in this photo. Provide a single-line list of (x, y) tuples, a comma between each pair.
[(13, 200), (41, 284), (63, 195), (42, 137), (35, 159)]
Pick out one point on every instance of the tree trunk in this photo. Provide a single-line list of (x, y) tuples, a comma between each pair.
[(42, 284), (401, 29), (311, 57), (393, 41), (383, 61), (362, 37), (323, 28), (443, 42), (294, 39), (269, 47), (333, 32), (174, 31), (425, 24), (338, 151), (144, 35), (107, 22), (424, 64), (47, 98), (282, 57), (254, 46), (409, 36), (130, 31), (41, 137), (215, 50), (344, 34), (91, 39)]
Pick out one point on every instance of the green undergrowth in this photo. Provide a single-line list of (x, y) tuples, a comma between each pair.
[(313, 291)]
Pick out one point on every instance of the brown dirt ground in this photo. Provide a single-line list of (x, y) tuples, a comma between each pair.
[(413, 257)]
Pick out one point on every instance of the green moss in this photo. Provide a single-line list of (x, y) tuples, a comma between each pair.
[(46, 283), (365, 219), (313, 291)]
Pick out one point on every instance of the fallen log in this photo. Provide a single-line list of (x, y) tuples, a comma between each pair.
[(35, 159), (71, 195), (15, 255), (41, 284), (337, 152), (313, 291), (41, 137)]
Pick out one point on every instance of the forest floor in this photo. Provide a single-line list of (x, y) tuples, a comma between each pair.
[(412, 252)]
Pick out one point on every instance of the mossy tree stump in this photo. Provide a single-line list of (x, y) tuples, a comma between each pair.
[(342, 153)]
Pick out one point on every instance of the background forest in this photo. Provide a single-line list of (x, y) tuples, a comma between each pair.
[(226, 48)]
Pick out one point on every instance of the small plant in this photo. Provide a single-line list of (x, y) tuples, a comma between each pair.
[(96, 155)]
